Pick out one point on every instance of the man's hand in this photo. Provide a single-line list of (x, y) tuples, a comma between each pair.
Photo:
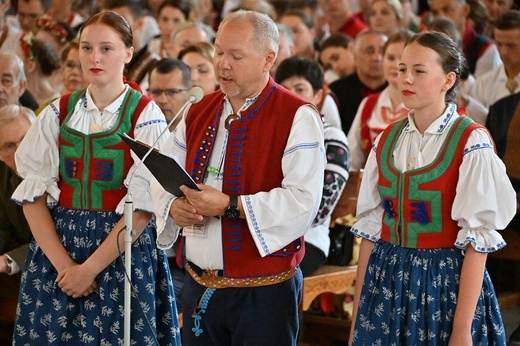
[(184, 213), (208, 202)]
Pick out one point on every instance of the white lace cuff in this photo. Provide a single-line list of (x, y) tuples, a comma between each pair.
[(482, 239), (33, 187)]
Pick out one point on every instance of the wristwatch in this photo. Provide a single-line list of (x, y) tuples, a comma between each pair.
[(232, 212)]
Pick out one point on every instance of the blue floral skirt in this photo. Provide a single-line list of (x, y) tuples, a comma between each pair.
[(47, 316), (409, 298)]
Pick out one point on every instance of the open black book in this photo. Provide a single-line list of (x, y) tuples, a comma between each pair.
[(164, 168)]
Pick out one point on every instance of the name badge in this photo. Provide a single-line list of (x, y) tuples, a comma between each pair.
[(195, 230)]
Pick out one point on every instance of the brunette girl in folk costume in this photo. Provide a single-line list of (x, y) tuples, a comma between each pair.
[(75, 168), (432, 197)]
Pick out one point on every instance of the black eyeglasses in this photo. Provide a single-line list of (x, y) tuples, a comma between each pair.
[(168, 92)]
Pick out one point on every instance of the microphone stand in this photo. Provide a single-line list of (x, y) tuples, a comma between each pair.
[(195, 95)]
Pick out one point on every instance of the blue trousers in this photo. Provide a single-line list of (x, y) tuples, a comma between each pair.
[(253, 316)]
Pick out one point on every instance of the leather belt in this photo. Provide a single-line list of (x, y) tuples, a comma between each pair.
[(214, 279)]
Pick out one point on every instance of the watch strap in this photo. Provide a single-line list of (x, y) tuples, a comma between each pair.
[(233, 201)]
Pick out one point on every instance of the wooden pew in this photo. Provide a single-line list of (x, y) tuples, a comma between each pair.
[(328, 278)]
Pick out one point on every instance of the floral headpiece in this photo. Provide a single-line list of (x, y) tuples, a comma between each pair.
[(57, 30), (26, 42)]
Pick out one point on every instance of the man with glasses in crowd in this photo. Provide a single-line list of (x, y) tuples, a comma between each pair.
[(169, 81)]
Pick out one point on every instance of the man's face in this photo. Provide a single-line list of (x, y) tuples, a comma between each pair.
[(334, 8), (369, 55), (508, 45), (28, 13), (241, 65), (496, 8), (11, 134), (10, 87), (186, 37), (168, 91), (451, 9)]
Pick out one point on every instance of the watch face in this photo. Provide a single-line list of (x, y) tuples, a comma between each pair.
[(232, 213)]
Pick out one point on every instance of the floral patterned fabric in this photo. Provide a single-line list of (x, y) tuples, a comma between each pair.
[(46, 315), (409, 298)]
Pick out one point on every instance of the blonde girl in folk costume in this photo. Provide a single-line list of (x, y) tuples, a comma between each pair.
[(74, 166), (432, 197)]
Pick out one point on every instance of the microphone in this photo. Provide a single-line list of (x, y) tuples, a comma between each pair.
[(194, 95)]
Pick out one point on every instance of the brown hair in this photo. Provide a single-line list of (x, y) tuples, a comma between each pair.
[(451, 59), (400, 36), (206, 49), (116, 22), (70, 46)]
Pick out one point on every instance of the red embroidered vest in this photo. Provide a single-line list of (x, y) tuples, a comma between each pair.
[(417, 203), (366, 139), (253, 160)]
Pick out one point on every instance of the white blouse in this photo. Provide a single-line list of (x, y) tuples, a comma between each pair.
[(376, 122), (485, 199), (37, 157), (275, 217)]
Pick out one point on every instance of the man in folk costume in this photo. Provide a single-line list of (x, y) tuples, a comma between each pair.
[(257, 153)]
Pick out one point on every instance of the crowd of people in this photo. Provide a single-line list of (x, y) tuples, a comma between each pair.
[(423, 96)]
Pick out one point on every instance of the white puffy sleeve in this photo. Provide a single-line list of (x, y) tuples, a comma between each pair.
[(37, 159), (167, 230), (150, 127), (369, 210), (485, 200)]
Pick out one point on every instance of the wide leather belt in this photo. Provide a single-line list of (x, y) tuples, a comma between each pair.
[(214, 279)]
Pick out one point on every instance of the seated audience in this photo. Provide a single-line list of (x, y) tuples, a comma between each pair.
[(71, 73), (57, 34), (503, 80), (169, 81), (302, 26), (481, 53), (386, 16), (337, 54), (42, 66), (15, 83), (29, 11), (340, 19), (199, 58), (10, 37), (170, 16), (495, 8), (190, 33), (15, 234), (368, 78), (378, 110), (305, 78)]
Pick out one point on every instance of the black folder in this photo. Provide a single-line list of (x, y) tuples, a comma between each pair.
[(165, 169)]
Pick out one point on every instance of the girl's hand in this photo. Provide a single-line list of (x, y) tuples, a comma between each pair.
[(460, 337), (76, 281)]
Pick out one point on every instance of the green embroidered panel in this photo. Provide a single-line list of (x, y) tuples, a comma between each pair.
[(413, 180), (104, 148)]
